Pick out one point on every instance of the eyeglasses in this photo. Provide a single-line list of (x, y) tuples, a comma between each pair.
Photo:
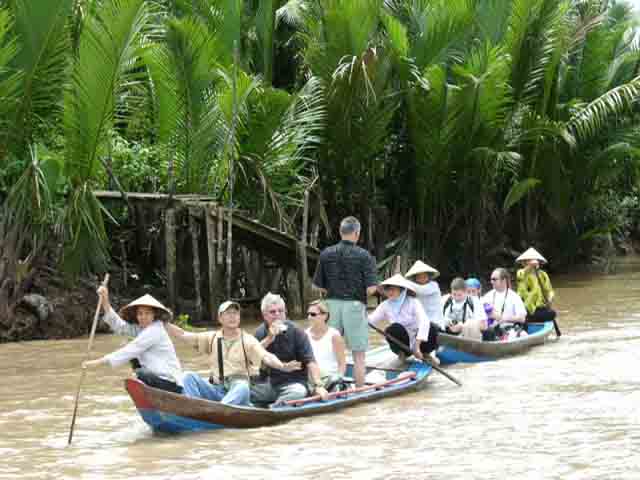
[(315, 314)]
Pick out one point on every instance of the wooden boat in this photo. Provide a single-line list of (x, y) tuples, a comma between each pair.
[(173, 413), (455, 349)]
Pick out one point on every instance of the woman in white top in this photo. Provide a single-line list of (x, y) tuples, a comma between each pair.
[(503, 305), (152, 347), (422, 277), (327, 343)]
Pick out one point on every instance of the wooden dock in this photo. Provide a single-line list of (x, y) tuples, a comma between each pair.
[(206, 223)]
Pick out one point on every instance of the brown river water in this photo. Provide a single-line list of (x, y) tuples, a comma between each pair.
[(568, 410)]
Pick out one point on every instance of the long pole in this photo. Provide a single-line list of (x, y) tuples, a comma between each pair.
[(82, 374), (393, 339)]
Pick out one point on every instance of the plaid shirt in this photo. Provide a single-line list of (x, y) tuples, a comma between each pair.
[(346, 271)]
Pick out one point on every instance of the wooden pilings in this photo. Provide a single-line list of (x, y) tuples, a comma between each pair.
[(195, 215), (212, 243), (211, 272), (170, 248)]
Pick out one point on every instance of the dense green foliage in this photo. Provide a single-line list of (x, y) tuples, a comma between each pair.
[(454, 129)]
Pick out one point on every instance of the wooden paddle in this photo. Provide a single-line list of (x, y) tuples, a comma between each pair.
[(82, 374), (405, 375), (392, 339)]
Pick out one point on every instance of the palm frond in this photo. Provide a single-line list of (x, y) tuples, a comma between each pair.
[(108, 57), (43, 58), (591, 119), (9, 79)]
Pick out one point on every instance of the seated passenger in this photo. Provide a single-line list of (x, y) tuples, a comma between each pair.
[(152, 349), (535, 287), (506, 306), (427, 290), (327, 344), (234, 357), (463, 314), (289, 343), (408, 322), (474, 287)]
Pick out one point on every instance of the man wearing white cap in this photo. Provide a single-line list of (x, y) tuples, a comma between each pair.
[(534, 287), (152, 347), (422, 277), (408, 322), (234, 356)]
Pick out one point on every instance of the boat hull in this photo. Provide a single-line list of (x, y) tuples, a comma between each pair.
[(168, 412), (455, 349)]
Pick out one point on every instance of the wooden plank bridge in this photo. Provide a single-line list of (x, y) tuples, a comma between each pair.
[(209, 221)]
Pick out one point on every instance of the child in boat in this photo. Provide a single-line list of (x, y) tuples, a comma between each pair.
[(422, 277), (409, 323), (327, 344), (463, 314), (474, 287), (152, 347)]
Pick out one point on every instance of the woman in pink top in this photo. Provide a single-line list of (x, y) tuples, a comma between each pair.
[(408, 322)]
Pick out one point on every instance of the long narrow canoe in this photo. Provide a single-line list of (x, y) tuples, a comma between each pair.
[(172, 413), (455, 349)]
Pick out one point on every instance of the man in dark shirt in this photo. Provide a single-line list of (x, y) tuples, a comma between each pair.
[(289, 343), (346, 274)]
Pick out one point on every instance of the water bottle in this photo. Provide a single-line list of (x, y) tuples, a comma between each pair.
[(488, 309)]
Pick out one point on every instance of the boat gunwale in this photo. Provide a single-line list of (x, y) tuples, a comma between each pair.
[(496, 349), (234, 416)]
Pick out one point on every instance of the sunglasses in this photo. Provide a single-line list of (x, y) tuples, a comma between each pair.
[(315, 314)]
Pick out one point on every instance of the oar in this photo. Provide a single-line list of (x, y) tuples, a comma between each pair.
[(393, 339), (93, 333)]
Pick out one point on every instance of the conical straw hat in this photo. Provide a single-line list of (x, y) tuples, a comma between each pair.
[(531, 254), (399, 281), (128, 312), (421, 267)]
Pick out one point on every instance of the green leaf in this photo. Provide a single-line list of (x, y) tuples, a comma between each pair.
[(518, 191)]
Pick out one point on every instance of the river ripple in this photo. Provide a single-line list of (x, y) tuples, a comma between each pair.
[(568, 410)]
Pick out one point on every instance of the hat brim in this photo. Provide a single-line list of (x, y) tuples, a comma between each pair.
[(128, 312), (421, 267)]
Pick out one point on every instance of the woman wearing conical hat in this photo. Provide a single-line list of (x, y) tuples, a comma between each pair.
[(534, 287), (422, 278), (152, 347), (408, 322)]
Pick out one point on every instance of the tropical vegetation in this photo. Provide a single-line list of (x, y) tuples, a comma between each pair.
[(454, 129)]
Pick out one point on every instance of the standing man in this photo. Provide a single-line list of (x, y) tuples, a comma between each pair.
[(346, 275)]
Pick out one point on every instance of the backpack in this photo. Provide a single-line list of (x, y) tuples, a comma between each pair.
[(467, 303)]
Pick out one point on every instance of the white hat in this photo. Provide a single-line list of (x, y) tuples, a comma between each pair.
[(128, 311), (399, 281), (531, 254), (224, 306), (421, 267)]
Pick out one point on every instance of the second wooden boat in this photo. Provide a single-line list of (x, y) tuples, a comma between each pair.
[(456, 349)]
